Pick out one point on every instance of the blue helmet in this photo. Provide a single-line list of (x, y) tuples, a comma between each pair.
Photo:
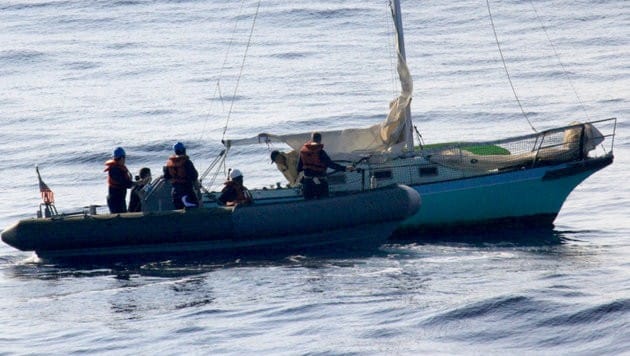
[(179, 148), (119, 152)]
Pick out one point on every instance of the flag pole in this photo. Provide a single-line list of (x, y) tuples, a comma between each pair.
[(48, 197)]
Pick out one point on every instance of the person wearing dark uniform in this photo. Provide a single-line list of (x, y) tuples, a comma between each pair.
[(183, 175), (118, 181), (135, 197), (234, 193), (313, 163)]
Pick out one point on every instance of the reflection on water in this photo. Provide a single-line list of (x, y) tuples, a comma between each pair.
[(496, 236), (124, 268)]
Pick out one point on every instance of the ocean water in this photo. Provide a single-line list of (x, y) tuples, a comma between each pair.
[(78, 78)]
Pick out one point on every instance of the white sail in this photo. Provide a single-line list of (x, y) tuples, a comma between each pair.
[(391, 136)]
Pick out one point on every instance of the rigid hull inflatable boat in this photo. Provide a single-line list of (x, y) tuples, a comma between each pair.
[(358, 219)]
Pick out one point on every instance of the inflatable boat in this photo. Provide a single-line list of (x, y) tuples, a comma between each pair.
[(361, 218)]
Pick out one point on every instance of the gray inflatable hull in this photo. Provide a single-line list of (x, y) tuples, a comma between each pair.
[(361, 218)]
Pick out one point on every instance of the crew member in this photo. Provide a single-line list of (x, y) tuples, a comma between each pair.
[(118, 181), (135, 197), (235, 193), (313, 162), (287, 164), (181, 172)]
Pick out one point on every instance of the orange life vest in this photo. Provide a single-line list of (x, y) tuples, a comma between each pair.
[(110, 181), (175, 166), (242, 194), (310, 157)]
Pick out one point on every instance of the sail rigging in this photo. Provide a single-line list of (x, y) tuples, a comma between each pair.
[(393, 136), (217, 89), (507, 73), (240, 73), (557, 55)]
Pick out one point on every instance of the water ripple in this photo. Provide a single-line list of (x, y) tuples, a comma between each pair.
[(617, 309)]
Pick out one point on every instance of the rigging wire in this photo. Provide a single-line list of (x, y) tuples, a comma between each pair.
[(212, 164), (217, 89), (219, 162), (564, 70), (506, 69), (240, 73)]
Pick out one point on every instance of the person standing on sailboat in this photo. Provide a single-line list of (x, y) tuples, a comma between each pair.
[(313, 163), (118, 181), (183, 175), (287, 164)]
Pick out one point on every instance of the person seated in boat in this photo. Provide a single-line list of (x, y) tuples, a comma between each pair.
[(313, 163), (135, 197), (118, 181), (287, 164), (183, 176), (235, 193)]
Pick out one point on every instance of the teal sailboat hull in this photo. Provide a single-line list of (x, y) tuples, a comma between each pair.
[(531, 197)]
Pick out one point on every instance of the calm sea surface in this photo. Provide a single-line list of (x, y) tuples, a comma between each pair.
[(78, 78)]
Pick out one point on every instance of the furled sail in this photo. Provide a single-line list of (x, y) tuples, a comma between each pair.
[(391, 136)]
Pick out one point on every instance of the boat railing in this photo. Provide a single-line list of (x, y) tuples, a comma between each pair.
[(47, 210), (157, 196), (577, 141)]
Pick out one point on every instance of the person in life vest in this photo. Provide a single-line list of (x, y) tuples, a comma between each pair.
[(287, 164), (313, 163), (118, 181), (183, 175), (234, 193), (135, 197)]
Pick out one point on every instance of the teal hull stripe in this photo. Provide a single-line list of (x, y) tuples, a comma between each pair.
[(506, 195)]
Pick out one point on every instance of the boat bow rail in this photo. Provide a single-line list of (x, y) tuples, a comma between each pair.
[(575, 142)]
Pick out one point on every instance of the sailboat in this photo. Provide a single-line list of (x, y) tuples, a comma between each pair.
[(522, 180), (513, 181)]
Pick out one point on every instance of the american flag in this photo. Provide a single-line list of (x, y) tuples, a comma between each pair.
[(47, 195)]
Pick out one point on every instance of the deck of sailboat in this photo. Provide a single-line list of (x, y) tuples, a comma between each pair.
[(460, 160)]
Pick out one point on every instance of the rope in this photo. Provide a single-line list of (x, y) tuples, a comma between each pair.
[(214, 162), (564, 70), (218, 161), (240, 74), (217, 88), (505, 67)]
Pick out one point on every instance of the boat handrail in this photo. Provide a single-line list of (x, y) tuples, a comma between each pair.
[(612, 120), (539, 138)]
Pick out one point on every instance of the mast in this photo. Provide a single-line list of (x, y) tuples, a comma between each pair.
[(400, 37), (399, 28)]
